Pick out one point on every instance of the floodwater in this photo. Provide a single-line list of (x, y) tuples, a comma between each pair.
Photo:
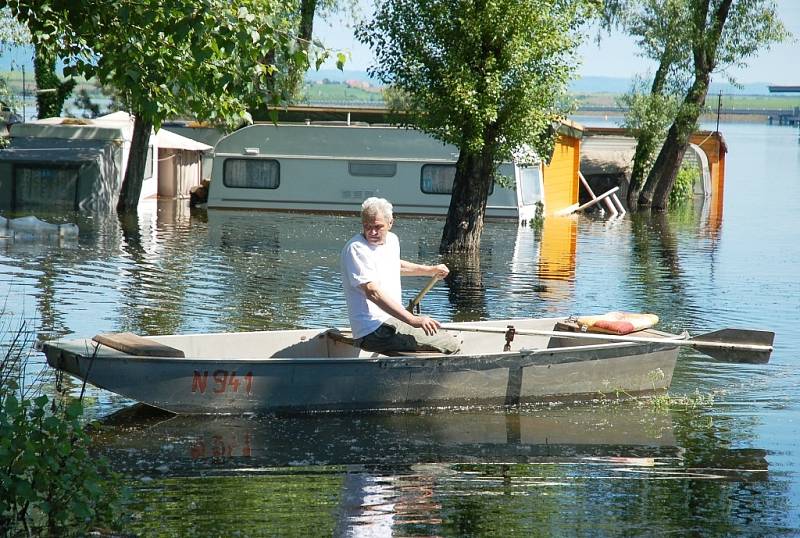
[(721, 460)]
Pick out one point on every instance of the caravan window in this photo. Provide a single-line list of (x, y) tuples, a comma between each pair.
[(372, 168), (251, 173), (438, 179), (42, 186)]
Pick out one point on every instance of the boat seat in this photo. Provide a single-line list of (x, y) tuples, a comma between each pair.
[(346, 337), (133, 344)]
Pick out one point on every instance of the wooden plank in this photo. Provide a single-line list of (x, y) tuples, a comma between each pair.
[(344, 337), (133, 344)]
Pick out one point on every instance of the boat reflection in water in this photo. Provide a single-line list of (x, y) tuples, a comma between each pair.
[(186, 443), (404, 473)]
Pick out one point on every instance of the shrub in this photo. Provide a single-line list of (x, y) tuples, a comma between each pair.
[(683, 189), (50, 483)]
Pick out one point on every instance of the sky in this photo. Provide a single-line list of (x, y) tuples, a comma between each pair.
[(768, 67), (776, 66)]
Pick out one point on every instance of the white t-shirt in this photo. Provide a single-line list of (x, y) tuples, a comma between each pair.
[(363, 263)]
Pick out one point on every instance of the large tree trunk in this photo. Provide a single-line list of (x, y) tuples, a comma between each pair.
[(134, 172), (662, 177), (464, 225), (305, 32), (52, 92), (647, 139)]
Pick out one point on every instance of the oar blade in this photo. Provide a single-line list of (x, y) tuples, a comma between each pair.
[(744, 356), (739, 336), (746, 345)]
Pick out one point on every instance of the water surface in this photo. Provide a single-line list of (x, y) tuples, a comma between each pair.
[(726, 463)]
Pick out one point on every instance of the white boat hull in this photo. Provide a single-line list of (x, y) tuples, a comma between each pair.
[(294, 376)]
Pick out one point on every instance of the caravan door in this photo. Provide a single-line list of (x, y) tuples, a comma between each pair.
[(530, 191)]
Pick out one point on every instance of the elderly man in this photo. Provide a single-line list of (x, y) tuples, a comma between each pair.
[(371, 269)]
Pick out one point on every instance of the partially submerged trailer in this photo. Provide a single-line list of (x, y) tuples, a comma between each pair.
[(70, 164), (333, 168)]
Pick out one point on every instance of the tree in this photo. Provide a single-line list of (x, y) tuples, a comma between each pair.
[(306, 12), (706, 36), (50, 101), (206, 58), (12, 34), (659, 28), (488, 76), (52, 91)]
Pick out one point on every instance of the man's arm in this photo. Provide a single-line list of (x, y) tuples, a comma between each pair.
[(415, 269), (396, 310)]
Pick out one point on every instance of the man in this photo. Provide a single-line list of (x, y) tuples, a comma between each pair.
[(371, 269)]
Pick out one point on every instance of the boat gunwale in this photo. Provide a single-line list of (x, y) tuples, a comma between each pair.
[(500, 359)]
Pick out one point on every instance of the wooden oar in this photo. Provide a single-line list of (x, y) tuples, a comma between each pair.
[(728, 345), (413, 303)]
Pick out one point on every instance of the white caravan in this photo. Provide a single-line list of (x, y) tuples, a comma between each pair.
[(333, 168)]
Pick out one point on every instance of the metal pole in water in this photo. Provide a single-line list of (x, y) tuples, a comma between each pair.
[(719, 107), (24, 114)]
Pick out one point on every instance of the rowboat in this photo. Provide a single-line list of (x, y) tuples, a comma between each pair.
[(320, 369)]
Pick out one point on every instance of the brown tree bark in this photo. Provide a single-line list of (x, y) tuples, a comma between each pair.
[(662, 177), (134, 173), (464, 225), (646, 142)]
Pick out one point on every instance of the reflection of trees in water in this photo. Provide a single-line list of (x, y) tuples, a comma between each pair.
[(153, 292), (461, 473), (251, 283), (657, 263), (465, 287), (270, 260), (742, 498)]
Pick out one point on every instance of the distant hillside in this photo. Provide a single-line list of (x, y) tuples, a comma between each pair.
[(583, 85), (339, 76), (622, 85)]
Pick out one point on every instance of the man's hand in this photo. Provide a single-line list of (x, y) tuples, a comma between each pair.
[(429, 325), (440, 270)]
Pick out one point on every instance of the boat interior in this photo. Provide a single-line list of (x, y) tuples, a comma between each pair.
[(478, 338)]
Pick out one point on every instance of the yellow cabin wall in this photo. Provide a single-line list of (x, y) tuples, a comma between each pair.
[(561, 175)]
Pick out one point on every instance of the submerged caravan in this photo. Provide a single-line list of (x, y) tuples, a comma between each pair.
[(334, 167)]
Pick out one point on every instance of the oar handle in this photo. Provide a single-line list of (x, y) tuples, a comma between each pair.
[(412, 304)]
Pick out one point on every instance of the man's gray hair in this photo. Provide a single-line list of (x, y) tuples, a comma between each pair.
[(374, 206)]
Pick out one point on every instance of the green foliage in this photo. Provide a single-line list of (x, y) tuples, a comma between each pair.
[(683, 188), (647, 113), (478, 73), (50, 484), (6, 108), (691, 39), (537, 222), (86, 105), (52, 91), (209, 59), (489, 77), (11, 32)]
